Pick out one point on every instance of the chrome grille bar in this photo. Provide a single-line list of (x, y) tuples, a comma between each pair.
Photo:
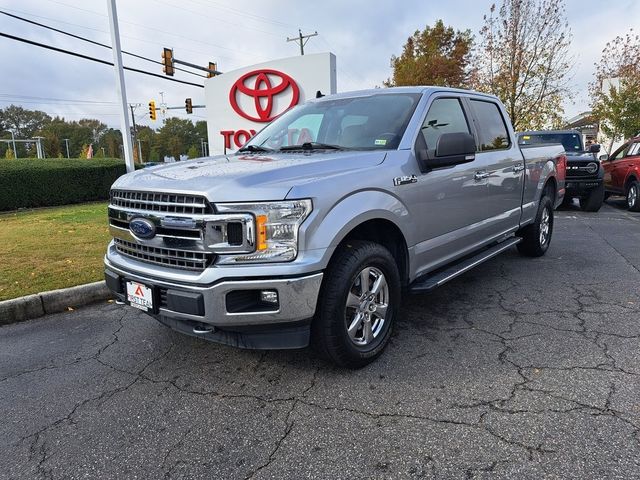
[(188, 260), (161, 202)]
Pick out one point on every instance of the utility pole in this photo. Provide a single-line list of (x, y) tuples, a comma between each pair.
[(302, 39), (139, 151), (120, 87), (66, 141)]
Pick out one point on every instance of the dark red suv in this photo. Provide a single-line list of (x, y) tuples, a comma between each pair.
[(622, 173)]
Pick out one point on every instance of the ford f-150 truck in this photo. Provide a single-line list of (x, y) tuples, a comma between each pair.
[(314, 229), (584, 178)]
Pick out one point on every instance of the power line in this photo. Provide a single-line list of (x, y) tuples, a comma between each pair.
[(240, 13), (141, 39), (93, 59), (17, 97), (41, 102), (84, 39), (181, 8)]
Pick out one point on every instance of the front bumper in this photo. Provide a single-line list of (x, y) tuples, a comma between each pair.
[(225, 312), (580, 186)]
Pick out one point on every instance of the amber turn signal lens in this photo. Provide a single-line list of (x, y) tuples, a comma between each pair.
[(261, 232)]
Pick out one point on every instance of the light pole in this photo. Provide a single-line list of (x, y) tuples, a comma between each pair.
[(120, 88), (66, 140), (13, 140)]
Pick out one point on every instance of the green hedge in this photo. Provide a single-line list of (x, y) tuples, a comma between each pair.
[(29, 183)]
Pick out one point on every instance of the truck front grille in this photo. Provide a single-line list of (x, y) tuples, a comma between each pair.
[(580, 169), (161, 202), (188, 260)]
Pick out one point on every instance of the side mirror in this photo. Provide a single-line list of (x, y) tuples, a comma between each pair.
[(594, 148), (451, 149), (603, 158)]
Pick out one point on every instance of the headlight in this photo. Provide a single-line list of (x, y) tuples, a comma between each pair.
[(276, 230)]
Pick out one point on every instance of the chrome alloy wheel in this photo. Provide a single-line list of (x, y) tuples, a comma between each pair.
[(366, 306), (632, 196), (545, 226)]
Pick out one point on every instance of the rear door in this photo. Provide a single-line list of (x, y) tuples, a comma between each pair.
[(502, 163)]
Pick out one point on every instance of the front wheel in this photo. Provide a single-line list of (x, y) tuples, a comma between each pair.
[(358, 304), (536, 236), (633, 196)]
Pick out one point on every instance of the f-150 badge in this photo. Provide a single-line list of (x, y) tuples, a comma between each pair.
[(404, 180)]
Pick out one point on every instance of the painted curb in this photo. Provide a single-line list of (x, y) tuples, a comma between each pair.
[(54, 301)]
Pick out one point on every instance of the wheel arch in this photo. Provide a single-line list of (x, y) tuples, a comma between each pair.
[(630, 179), (385, 233)]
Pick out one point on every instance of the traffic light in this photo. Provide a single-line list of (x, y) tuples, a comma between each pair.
[(167, 61), (152, 110), (212, 66), (188, 105)]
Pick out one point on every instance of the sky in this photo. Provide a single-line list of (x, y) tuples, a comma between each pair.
[(363, 34)]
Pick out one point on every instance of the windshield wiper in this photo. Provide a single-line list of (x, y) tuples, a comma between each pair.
[(255, 148), (312, 146)]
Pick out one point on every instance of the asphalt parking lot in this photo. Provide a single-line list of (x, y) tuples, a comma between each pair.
[(519, 369)]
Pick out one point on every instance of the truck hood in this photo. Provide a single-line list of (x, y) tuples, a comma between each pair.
[(250, 177)]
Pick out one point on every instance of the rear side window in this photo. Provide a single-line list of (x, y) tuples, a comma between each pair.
[(634, 150), (445, 116), (492, 131)]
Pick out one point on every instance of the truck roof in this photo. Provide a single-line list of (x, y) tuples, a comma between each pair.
[(391, 90), (549, 132)]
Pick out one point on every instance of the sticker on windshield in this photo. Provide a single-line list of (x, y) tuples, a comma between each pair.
[(380, 141)]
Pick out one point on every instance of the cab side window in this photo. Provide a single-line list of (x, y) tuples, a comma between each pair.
[(445, 116), (492, 129)]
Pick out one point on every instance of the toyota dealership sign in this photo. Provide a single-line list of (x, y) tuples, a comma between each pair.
[(242, 102)]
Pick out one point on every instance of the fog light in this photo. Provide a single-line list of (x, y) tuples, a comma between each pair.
[(269, 296)]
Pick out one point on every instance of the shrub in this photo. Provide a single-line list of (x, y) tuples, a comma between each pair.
[(28, 183)]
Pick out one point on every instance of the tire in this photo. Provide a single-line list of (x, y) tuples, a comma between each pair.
[(567, 202), (343, 304), (534, 243), (594, 200), (633, 196)]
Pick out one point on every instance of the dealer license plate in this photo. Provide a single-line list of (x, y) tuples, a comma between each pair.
[(139, 296)]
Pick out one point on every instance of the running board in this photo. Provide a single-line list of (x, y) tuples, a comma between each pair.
[(433, 281)]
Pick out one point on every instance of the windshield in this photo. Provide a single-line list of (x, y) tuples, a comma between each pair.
[(358, 123), (570, 141)]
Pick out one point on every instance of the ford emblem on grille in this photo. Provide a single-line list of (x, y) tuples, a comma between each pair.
[(142, 228)]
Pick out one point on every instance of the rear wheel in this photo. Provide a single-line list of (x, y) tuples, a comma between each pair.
[(359, 302), (633, 194), (593, 201), (537, 235)]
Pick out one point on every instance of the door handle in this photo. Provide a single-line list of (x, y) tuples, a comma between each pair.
[(481, 175), (518, 168)]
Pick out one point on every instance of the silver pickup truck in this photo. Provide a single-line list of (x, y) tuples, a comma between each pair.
[(314, 229)]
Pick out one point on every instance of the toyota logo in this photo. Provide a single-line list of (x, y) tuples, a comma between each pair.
[(258, 85)]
